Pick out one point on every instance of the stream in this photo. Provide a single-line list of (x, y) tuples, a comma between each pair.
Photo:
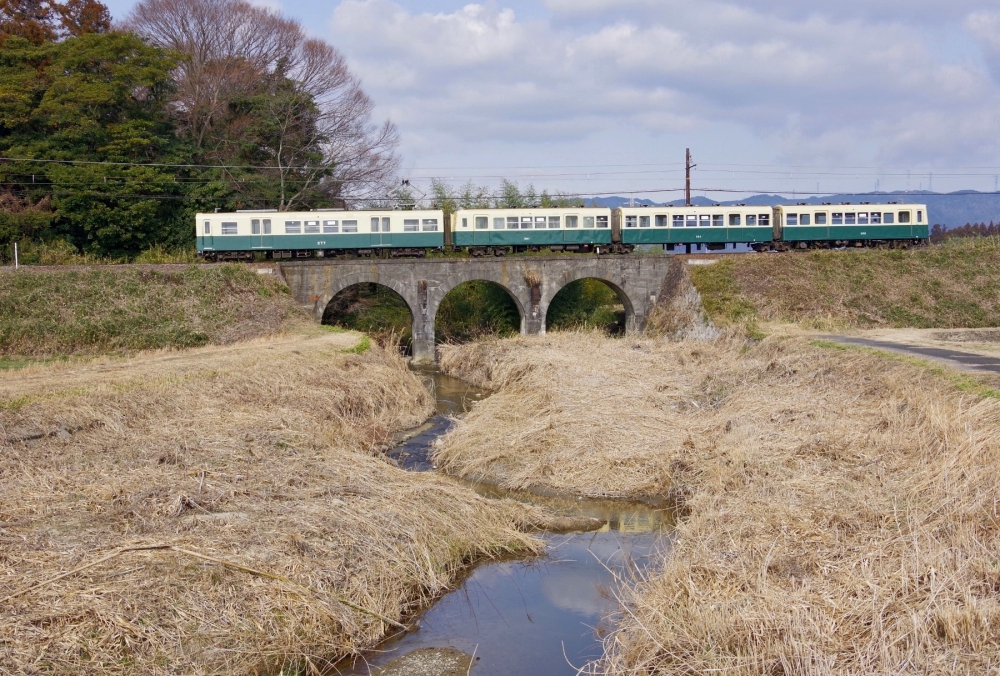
[(543, 616)]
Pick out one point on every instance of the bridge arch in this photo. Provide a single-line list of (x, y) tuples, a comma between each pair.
[(347, 281), (618, 286), (515, 291)]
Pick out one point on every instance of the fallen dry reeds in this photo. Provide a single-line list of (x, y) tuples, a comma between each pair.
[(222, 510), (841, 506)]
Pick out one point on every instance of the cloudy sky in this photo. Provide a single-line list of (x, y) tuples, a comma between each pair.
[(604, 95)]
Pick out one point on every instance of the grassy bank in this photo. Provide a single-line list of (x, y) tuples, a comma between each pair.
[(126, 309), (951, 285), (222, 510), (841, 505)]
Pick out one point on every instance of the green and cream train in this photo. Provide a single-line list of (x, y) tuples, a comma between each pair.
[(336, 233)]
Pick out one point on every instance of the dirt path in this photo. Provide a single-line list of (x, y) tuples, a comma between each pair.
[(955, 358)]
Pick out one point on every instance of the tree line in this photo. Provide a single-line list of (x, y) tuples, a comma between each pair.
[(940, 233), (112, 136)]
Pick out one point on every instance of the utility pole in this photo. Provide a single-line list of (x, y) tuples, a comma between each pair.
[(687, 174)]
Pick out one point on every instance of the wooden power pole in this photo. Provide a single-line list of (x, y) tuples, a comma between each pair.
[(687, 174)]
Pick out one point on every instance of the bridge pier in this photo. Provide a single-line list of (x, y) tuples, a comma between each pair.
[(531, 282)]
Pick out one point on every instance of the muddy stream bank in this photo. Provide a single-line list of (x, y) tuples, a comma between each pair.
[(543, 616)]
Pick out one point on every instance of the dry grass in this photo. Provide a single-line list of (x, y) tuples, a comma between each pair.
[(842, 506), (950, 285), (124, 309), (262, 455)]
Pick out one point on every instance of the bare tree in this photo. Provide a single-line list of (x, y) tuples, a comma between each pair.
[(321, 138)]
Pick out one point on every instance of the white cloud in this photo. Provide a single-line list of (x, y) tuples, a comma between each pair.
[(844, 81)]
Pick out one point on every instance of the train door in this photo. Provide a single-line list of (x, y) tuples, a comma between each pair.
[(207, 238), (260, 231), (481, 232), (380, 231)]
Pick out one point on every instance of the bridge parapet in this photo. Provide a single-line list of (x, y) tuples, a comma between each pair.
[(532, 281)]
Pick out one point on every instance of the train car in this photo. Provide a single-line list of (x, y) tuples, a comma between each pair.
[(714, 226), (824, 225), (497, 231), (304, 234)]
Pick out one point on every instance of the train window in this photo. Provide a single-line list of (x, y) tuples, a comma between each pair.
[(540, 222), (482, 222), (876, 218), (821, 218), (791, 219), (887, 218), (267, 226), (330, 226), (704, 220), (374, 224), (691, 221), (349, 226), (498, 223), (644, 221), (430, 225), (862, 218), (630, 221), (525, 222), (904, 217), (255, 226), (734, 219), (512, 222), (385, 224), (465, 222), (803, 219), (849, 219), (553, 222), (588, 221), (409, 225), (293, 227), (602, 221), (678, 221), (229, 228), (920, 217), (764, 220), (208, 227), (718, 220), (661, 221), (312, 227), (838, 219), (572, 221), (751, 219)]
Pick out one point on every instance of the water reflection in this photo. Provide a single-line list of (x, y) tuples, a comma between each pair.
[(539, 617)]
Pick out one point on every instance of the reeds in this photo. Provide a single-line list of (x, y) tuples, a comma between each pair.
[(842, 507), (246, 522)]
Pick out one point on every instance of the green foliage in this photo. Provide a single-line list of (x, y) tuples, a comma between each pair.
[(373, 309), (114, 310), (586, 303), (93, 99), (476, 309), (363, 346)]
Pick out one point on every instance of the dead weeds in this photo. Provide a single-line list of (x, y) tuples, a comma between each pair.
[(842, 507), (222, 511)]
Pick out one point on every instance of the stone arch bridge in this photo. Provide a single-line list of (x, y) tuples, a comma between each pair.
[(532, 282)]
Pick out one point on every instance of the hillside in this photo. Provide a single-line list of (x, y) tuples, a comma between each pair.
[(952, 285), (120, 309)]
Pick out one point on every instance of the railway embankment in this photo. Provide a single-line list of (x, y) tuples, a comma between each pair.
[(124, 309), (223, 509), (955, 284), (839, 505)]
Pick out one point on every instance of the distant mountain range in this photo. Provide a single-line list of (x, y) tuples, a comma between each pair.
[(952, 209)]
